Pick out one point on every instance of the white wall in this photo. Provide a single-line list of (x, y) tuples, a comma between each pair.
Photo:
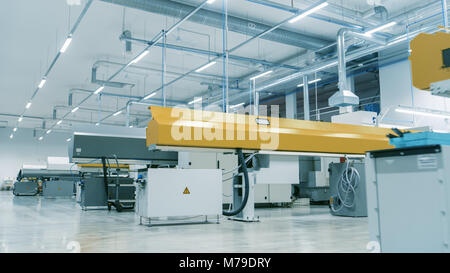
[(396, 89), (26, 149)]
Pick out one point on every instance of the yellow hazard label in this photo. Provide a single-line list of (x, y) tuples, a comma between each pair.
[(186, 191)]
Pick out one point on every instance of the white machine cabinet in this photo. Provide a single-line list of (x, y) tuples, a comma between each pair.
[(408, 197), (179, 193)]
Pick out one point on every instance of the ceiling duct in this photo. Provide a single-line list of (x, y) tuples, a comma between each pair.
[(215, 19), (108, 83), (345, 97)]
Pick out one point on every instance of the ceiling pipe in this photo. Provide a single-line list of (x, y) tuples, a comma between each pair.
[(128, 109), (55, 59), (85, 91), (43, 120), (262, 34), (332, 62), (320, 17), (214, 19), (197, 76), (212, 53), (143, 53), (107, 83), (62, 107)]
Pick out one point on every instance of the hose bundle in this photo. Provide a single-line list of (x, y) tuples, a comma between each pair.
[(346, 188)]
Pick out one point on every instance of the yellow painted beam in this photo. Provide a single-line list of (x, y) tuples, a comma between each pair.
[(202, 129), (427, 60)]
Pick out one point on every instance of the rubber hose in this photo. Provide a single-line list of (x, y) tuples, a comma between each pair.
[(246, 185)]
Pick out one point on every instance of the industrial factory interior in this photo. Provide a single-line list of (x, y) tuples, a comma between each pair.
[(225, 126)]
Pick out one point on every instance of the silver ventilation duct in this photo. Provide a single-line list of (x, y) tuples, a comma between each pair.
[(215, 19)]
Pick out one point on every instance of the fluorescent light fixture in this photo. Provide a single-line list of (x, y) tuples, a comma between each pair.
[(150, 96), (11, 136), (15, 129), (261, 75), (49, 131), (310, 82), (20, 119), (28, 105), (41, 138), (68, 140), (195, 101), (117, 113), (100, 89), (75, 109), (205, 66), (138, 58), (41, 84), (314, 81), (210, 1), (59, 122), (422, 113), (308, 12), (66, 44), (380, 28), (237, 105)]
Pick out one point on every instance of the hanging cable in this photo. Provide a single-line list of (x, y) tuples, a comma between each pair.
[(346, 188), (246, 185)]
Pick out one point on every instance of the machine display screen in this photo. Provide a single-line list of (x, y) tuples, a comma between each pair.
[(446, 56)]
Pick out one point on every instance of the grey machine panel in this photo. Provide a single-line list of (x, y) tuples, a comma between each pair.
[(26, 188), (408, 192), (85, 147), (358, 198), (58, 188)]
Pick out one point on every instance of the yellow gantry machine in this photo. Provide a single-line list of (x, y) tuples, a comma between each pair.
[(430, 59), (185, 128)]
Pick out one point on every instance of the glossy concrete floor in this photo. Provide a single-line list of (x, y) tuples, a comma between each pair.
[(37, 224)]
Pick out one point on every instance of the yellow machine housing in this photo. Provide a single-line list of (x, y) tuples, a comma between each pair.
[(176, 127), (427, 60)]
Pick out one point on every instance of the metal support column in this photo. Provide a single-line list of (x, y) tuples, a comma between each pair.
[(291, 106), (306, 98), (225, 56), (256, 98), (163, 70), (445, 14)]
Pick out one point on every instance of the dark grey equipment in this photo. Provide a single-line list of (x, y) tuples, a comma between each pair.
[(45, 174), (93, 192), (58, 188), (26, 188), (348, 189), (84, 148)]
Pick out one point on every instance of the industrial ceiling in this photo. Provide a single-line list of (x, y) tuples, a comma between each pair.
[(35, 31)]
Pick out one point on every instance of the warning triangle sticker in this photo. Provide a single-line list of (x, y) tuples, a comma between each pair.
[(186, 191)]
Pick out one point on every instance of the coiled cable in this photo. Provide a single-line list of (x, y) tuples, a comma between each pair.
[(346, 188)]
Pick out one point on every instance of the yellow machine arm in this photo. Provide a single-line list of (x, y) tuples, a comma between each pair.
[(427, 59), (175, 127)]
